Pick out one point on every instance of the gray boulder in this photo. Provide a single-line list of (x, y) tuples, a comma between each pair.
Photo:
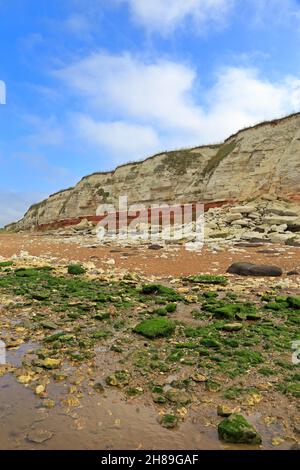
[(249, 269)]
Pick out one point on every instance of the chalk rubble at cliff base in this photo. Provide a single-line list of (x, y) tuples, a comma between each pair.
[(264, 221)]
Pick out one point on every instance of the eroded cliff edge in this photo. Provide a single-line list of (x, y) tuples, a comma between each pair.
[(264, 159)]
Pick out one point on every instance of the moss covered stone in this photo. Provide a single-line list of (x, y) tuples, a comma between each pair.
[(294, 302), (236, 429), (120, 378), (293, 389), (179, 397), (171, 307), (210, 295), (48, 325), (5, 264), (233, 311), (162, 291), (276, 306), (76, 269), (210, 343), (26, 272), (155, 327), (98, 334), (159, 399), (161, 311), (208, 279), (168, 421), (232, 327)]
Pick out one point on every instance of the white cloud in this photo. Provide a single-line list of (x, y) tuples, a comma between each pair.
[(120, 138), (275, 12), (77, 24), (148, 91), (241, 97), (157, 105), (165, 15)]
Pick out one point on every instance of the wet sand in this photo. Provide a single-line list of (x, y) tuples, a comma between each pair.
[(175, 261), (112, 420)]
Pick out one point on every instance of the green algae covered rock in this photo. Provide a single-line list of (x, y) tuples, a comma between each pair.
[(5, 264), (76, 269), (294, 302), (119, 378), (178, 396), (155, 327), (159, 290), (169, 421), (208, 279), (237, 430), (232, 327)]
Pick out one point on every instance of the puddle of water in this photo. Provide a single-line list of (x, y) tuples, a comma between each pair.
[(15, 356), (102, 422), (107, 421)]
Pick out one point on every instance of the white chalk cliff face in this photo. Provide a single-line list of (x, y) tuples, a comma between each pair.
[(264, 159)]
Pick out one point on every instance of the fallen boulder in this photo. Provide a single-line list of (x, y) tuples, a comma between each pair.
[(293, 242), (249, 269), (83, 225), (155, 246)]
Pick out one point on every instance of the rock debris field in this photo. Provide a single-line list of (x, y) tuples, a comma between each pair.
[(132, 347)]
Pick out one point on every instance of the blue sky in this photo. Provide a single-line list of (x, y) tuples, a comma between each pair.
[(91, 84)]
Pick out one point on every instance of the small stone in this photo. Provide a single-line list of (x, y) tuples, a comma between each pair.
[(24, 379), (48, 325), (212, 386), (120, 378), (253, 316), (168, 421), (39, 390), (232, 327), (252, 399), (293, 242), (50, 363), (225, 410), (232, 217), (48, 404), (178, 396), (197, 377), (241, 222), (98, 386), (159, 399), (38, 436), (276, 441), (5, 369), (71, 401), (110, 262)]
